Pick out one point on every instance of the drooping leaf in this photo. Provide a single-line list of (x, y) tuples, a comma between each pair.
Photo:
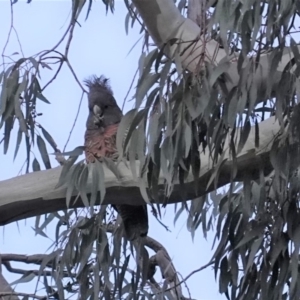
[(9, 123), (49, 139), (135, 122), (43, 151), (27, 277), (123, 129), (144, 86), (74, 153), (82, 185), (18, 143)]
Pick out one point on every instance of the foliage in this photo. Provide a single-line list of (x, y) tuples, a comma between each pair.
[(179, 115)]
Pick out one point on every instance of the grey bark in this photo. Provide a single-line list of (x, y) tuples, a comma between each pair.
[(34, 193)]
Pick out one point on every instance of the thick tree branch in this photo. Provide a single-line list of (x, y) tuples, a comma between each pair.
[(34, 194), (11, 269), (164, 22), (26, 259), (36, 259)]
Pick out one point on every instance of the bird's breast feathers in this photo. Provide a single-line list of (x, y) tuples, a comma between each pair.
[(101, 143)]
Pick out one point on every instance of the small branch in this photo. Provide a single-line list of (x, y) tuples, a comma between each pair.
[(59, 42), (194, 272), (130, 87), (35, 272), (74, 123), (55, 75), (18, 40), (9, 294), (10, 28), (75, 76), (27, 259), (71, 31)]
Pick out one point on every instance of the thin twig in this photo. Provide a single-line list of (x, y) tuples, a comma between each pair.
[(196, 271), (55, 75), (75, 76), (18, 39), (129, 89), (74, 123), (58, 43), (72, 28), (35, 272), (9, 32)]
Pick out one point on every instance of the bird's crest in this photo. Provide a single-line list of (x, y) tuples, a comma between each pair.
[(98, 83)]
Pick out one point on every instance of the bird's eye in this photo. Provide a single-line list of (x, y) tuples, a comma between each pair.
[(106, 106)]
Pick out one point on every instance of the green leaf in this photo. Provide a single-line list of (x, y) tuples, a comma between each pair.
[(72, 179), (177, 61), (97, 280), (144, 87), (146, 63), (65, 171), (256, 134), (9, 123), (127, 19), (9, 87), (18, 111), (77, 6), (257, 231), (42, 97), (188, 139), (74, 153), (141, 64), (85, 223), (253, 252), (82, 182), (159, 58), (44, 153), (142, 185), (244, 136), (217, 170), (132, 153), (135, 122), (34, 63), (88, 12), (111, 165), (1, 76), (102, 181), (218, 71), (95, 183), (164, 75), (28, 149), (224, 276), (49, 138), (27, 277), (19, 140), (123, 129), (48, 259)]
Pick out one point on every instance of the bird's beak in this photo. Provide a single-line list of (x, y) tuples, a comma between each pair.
[(97, 110), (98, 115)]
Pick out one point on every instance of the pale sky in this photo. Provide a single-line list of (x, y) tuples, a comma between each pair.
[(100, 46)]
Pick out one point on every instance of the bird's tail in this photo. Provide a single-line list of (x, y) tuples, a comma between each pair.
[(135, 220)]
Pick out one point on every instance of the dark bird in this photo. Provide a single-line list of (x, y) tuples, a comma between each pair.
[(100, 141)]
